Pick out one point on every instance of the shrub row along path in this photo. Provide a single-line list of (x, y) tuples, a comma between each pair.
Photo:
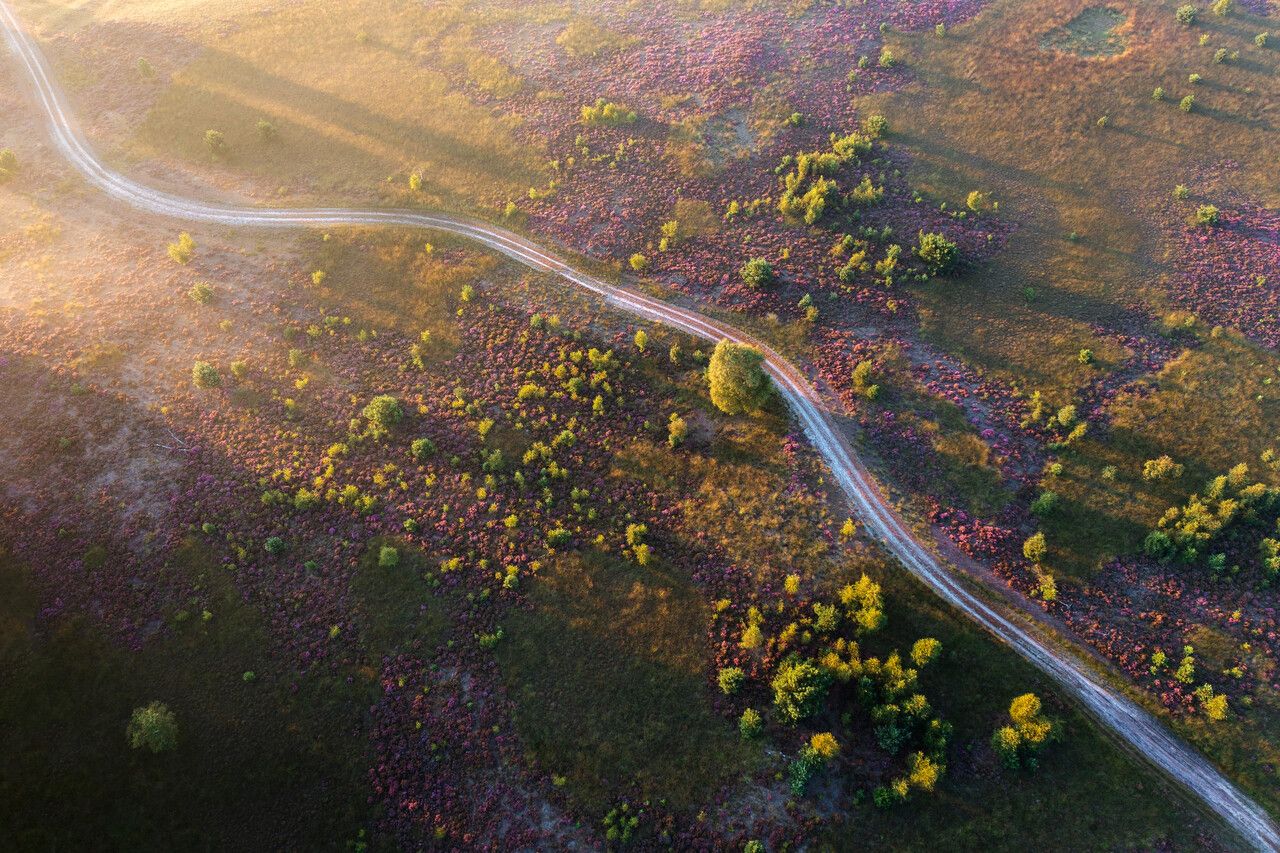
[(1146, 735)]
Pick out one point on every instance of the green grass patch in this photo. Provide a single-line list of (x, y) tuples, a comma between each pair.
[(1212, 408), (606, 675), (395, 607), (391, 280)]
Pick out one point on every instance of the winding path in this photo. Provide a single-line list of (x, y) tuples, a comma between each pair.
[(1146, 735)]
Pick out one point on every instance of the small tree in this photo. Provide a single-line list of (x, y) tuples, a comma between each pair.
[(677, 430), (388, 557), (925, 651), (1206, 215), (641, 340), (1161, 468), (730, 679), (863, 380), (182, 251), (749, 724), (204, 375), (8, 164), (383, 413), (153, 726), (1187, 104), (1035, 549), (145, 70), (938, 253), (267, 131), (757, 273), (799, 689), (875, 126), (1186, 15), (738, 382), (639, 262), (200, 293), (1030, 731), (217, 144), (422, 449)]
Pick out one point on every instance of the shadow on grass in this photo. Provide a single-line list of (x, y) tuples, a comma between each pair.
[(606, 675), (255, 767)]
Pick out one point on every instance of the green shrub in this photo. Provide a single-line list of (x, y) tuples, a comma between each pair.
[(266, 131), (875, 125), (1222, 8), (1045, 503), (938, 253), (607, 113), (1186, 15), (749, 724), (183, 250), (639, 262), (1157, 94), (422, 449), (730, 679), (383, 413), (1035, 548), (388, 557), (1030, 731), (757, 273), (925, 651), (200, 293), (217, 144), (799, 689), (274, 545), (862, 380), (145, 70), (204, 375), (153, 726), (1187, 104), (677, 430), (1206, 214), (8, 164), (1161, 468)]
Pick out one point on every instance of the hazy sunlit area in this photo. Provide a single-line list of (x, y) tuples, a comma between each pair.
[(694, 425)]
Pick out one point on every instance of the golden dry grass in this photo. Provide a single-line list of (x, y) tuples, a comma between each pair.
[(358, 93)]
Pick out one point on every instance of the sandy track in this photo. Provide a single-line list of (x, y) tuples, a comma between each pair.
[(1142, 732)]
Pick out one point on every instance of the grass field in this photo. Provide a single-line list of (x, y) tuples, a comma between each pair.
[(606, 672), (989, 86)]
